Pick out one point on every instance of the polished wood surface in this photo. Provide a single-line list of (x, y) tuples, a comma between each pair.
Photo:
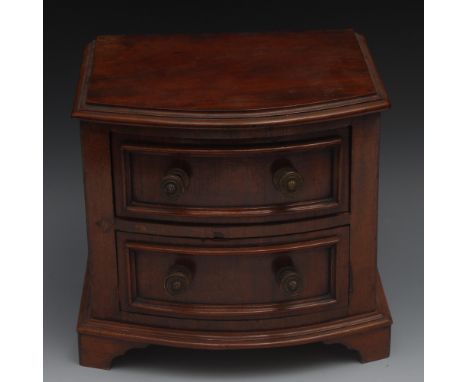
[(231, 184), (234, 279), (230, 214), (368, 334), (228, 72), (99, 217), (228, 79)]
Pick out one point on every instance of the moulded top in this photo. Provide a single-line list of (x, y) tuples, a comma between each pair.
[(228, 79)]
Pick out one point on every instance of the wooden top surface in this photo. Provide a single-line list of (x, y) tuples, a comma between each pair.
[(228, 79)]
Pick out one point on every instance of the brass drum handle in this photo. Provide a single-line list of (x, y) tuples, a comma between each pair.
[(287, 180), (178, 280), (174, 183), (289, 280)]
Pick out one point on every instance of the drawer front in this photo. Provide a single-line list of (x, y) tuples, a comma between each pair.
[(231, 184), (225, 280)]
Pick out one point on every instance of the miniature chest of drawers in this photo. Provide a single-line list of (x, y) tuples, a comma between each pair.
[(231, 186)]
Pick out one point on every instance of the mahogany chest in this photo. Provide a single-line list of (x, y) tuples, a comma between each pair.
[(231, 186)]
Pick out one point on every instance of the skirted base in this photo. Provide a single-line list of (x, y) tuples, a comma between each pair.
[(100, 341)]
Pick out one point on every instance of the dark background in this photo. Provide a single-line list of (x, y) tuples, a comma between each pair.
[(394, 31)]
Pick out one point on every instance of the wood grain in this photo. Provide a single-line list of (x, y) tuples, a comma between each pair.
[(351, 329), (226, 79), (364, 204), (231, 186), (236, 279), (97, 171), (99, 352)]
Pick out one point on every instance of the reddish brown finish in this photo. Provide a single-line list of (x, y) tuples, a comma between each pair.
[(246, 71), (237, 259), (233, 279), (358, 332), (231, 184), (374, 344), (99, 352), (364, 204), (371, 346), (99, 219), (228, 79)]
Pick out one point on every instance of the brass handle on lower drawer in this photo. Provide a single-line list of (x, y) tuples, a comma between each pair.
[(174, 183), (289, 280), (178, 280), (287, 180)]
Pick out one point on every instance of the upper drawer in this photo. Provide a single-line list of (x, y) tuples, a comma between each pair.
[(231, 184)]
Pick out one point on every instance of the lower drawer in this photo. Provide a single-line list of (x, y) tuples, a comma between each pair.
[(226, 279)]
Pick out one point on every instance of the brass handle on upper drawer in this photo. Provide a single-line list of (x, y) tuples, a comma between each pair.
[(287, 180), (289, 280), (174, 183), (178, 280)]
